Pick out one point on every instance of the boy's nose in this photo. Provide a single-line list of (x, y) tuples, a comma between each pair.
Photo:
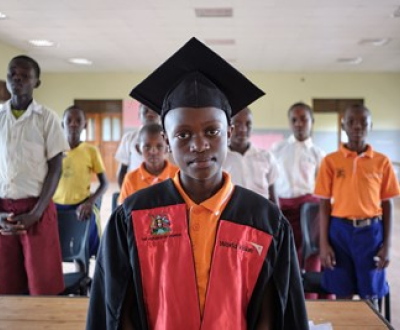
[(199, 145)]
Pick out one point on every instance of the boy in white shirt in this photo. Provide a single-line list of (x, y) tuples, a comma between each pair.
[(31, 147), (250, 167), (299, 160)]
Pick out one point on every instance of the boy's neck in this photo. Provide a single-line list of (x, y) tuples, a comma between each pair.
[(240, 148), (199, 191), (155, 171), (21, 102), (358, 147), (74, 143)]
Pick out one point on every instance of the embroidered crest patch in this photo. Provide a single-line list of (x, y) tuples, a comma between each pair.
[(160, 225)]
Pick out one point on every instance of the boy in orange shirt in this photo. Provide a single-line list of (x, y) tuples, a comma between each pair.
[(356, 185), (155, 168)]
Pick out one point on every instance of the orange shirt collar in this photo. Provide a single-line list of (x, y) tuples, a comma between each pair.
[(216, 202), (147, 176), (349, 153)]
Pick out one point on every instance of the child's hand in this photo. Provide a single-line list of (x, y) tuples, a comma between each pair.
[(382, 258), (9, 226), (84, 211), (327, 256), (26, 219)]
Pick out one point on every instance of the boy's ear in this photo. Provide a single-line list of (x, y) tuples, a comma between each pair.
[(38, 82), (137, 146), (165, 137), (229, 133)]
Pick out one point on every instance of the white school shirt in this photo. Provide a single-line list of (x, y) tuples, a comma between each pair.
[(256, 170), (126, 153), (298, 165), (26, 144)]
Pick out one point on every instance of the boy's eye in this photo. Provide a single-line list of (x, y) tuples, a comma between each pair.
[(213, 132), (182, 135)]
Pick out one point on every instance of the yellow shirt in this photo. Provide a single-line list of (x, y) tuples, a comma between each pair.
[(140, 178), (203, 223), (77, 168)]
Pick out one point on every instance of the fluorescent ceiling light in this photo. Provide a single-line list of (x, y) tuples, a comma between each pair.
[(220, 42), (350, 60), (214, 12), (375, 42), (41, 43), (2, 15), (80, 61)]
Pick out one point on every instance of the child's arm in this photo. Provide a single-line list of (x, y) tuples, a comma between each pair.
[(272, 194), (387, 218), (85, 209), (327, 255), (123, 169), (48, 189)]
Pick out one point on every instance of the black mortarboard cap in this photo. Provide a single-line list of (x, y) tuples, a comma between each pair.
[(195, 76)]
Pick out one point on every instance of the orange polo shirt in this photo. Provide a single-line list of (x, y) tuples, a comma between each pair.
[(141, 178), (203, 223), (356, 183)]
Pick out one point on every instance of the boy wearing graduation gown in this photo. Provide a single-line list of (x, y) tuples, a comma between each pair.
[(195, 251)]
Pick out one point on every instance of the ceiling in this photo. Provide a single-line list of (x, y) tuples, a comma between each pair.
[(261, 35)]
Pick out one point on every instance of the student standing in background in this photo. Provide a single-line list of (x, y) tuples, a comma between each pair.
[(79, 164), (127, 154), (31, 147), (250, 167), (356, 185), (299, 161)]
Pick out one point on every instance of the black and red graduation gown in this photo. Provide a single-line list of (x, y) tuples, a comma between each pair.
[(146, 250)]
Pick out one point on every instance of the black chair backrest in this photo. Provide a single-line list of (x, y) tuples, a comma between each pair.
[(74, 238), (114, 201), (309, 222)]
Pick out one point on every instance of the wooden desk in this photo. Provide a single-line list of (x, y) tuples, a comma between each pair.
[(64, 313), (42, 313), (346, 314)]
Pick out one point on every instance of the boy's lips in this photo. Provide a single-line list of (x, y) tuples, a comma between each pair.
[(202, 162)]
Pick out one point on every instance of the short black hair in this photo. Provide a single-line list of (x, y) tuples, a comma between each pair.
[(151, 129), (301, 105), (357, 106), (35, 65), (75, 107)]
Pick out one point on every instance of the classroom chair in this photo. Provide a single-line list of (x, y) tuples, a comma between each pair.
[(114, 201), (309, 224), (74, 241)]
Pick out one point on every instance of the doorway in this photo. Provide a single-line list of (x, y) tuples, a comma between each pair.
[(104, 130)]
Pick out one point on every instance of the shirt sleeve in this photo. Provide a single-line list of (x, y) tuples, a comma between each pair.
[(97, 161), (55, 140), (127, 187), (323, 184), (273, 172), (123, 154), (390, 185)]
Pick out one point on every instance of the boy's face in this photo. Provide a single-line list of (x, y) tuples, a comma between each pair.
[(300, 122), (148, 116), (21, 78), (198, 138), (242, 124), (153, 149), (73, 123), (356, 123)]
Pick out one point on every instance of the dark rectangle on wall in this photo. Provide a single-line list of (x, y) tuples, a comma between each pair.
[(4, 94), (334, 105)]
